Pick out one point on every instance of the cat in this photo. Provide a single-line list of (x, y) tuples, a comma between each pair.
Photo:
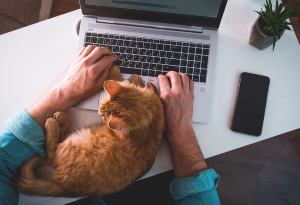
[(103, 159)]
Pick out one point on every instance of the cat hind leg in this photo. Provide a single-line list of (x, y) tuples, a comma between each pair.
[(136, 80), (114, 74), (52, 137), (64, 121)]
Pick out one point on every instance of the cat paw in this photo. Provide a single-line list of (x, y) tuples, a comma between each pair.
[(136, 80), (51, 124), (114, 74), (62, 118)]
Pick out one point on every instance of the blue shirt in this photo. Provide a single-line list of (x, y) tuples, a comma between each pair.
[(23, 137)]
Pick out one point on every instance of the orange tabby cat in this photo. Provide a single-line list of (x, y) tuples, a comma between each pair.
[(104, 159)]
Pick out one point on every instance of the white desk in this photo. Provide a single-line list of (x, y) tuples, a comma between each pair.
[(35, 58)]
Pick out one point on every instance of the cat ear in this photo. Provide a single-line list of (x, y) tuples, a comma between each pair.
[(116, 123), (112, 88)]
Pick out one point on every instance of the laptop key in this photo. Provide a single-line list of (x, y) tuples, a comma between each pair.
[(122, 37), (130, 57), (117, 54), (173, 43), (133, 44), (157, 73), (106, 41), (127, 38), (109, 47), (156, 41), (203, 75), (143, 58), (162, 41), (102, 45), (151, 73), (94, 34), (184, 56), (156, 60), (133, 38), (120, 42), (155, 53), (197, 57), (177, 55), (176, 48), (139, 39), (88, 39), (88, 34), (198, 50), (183, 63), (140, 45), (116, 49), (160, 47), (153, 66), (183, 69), (122, 49), (117, 37), (94, 40), (122, 56), (192, 45), (126, 63), (168, 42), (185, 49), (190, 77), (191, 63), (130, 71), (169, 54), (196, 71), (100, 40), (186, 44), (167, 47), (145, 40), (128, 50), (199, 45), (191, 57), (195, 78), (150, 40), (138, 65), (145, 72), (159, 67), (179, 43), (147, 45), (171, 68), (162, 54), (153, 46), (136, 51), (150, 59), (163, 61), (205, 46), (191, 50), (149, 52), (204, 62), (197, 64), (87, 44), (143, 51), (105, 36), (136, 58), (95, 44), (146, 65), (119, 63), (126, 43), (173, 62), (190, 70), (205, 51), (113, 42)]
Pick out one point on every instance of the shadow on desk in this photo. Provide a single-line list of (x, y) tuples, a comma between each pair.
[(267, 172)]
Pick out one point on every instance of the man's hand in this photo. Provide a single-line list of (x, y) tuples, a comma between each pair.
[(177, 94), (84, 78), (87, 73)]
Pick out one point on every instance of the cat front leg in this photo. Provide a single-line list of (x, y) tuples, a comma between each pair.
[(114, 74), (52, 137), (136, 80), (64, 121)]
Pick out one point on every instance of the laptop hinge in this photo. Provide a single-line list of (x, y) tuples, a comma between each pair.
[(148, 24)]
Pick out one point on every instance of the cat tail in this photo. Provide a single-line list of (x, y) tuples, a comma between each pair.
[(30, 185)]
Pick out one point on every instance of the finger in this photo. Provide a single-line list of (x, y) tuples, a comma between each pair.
[(81, 51), (103, 76), (185, 81), (97, 53), (164, 84), (152, 87), (175, 80), (100, 65), (88, 50), (191, 85)]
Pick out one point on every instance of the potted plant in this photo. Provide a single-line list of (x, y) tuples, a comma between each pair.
[(271, 24)]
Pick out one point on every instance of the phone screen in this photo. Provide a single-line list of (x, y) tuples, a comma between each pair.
[(251, 104)]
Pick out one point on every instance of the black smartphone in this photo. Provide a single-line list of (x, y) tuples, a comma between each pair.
[(251, 104)]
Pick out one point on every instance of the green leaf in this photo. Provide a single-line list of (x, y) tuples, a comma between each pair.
[(274, 40)]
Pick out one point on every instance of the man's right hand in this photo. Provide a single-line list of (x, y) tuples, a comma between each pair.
[(177, 94)]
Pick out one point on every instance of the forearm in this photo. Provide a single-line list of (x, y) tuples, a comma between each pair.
[(55, 100), (186, 154)]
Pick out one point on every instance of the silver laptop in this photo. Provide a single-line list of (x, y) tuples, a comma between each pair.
[(155, 37)]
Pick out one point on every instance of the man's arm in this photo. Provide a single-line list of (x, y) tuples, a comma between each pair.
[(24, 136), (194, 182)]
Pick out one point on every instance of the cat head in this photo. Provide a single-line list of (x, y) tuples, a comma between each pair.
[(127, 107)]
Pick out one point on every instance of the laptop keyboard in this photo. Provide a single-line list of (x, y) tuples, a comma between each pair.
[(151, 57)]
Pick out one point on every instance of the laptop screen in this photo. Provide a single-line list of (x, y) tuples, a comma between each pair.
[(205, 8), (204, 13)]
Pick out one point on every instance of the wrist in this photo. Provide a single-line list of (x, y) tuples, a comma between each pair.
[(61, 98), (180, 131)]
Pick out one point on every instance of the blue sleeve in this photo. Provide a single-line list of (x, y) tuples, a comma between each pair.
[(21, 139), (198, 189)]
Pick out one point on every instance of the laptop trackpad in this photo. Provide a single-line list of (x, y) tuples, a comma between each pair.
[(90, 103)]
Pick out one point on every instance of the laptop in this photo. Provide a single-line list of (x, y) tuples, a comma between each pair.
[(155, 37)]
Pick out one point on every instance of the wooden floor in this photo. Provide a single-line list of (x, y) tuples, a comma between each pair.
[(266, 172)]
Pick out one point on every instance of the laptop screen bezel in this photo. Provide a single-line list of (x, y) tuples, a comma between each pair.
[(150, 16)]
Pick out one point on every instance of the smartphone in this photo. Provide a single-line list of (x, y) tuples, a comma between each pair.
[(251, 104)]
